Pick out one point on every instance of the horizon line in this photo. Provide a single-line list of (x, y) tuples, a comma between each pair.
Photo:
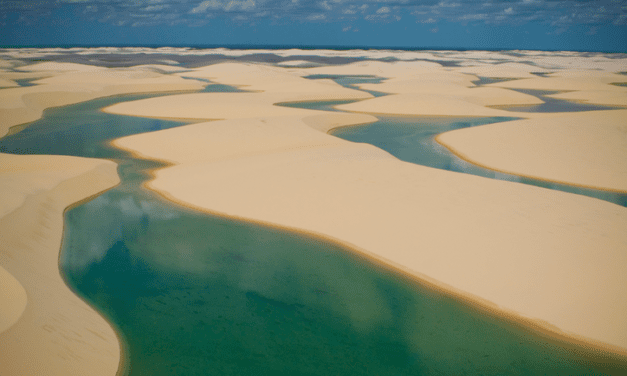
[(243, 46)]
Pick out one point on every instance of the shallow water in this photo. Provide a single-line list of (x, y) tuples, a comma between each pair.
[(552, 104), (25, 82), (412, 139), (196, 294), (351, 82), (216, 88), (490, 80)]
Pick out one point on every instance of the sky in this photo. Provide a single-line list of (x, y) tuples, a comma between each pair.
[(580, 25)]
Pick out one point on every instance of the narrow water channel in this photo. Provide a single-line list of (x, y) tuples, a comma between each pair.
[(412, 138), (194, 294)]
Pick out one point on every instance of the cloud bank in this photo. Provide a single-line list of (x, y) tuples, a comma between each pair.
[(557, 13)]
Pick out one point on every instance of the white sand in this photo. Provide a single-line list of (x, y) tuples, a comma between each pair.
[(549, 256), (44, 327)]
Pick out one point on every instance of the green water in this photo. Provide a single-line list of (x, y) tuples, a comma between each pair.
[(193, 294)]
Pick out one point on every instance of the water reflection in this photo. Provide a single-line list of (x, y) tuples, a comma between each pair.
[(193, 293)]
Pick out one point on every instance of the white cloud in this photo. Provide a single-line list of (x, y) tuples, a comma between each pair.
[(232, 5), (553, 12), (443, 4), (316, 17), (154, 8)]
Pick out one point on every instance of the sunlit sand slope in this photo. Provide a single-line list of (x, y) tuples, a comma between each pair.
[(44, 328)]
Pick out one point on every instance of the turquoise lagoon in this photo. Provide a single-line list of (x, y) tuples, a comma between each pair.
[(194, 294)]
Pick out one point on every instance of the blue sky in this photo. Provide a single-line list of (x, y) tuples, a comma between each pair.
[(511, 24)]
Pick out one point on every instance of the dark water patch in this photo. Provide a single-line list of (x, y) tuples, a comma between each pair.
[(125, 60), (542, 74), (316, 105), (552, 104), (351, 82), (80, 130), (195, 294), (490, 80), (413, 140), (622, 84), (216, 88), (25, 82), (221, 88), (348, 79)]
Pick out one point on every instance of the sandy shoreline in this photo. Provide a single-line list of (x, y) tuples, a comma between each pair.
[(43, 325), (552, 261), (470, 237)]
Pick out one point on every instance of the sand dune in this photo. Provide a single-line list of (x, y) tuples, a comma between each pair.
[(524, 251), (553, 257), (45, 328), (585, 149)]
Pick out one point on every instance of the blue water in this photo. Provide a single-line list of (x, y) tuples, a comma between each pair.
[(194, 294)]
